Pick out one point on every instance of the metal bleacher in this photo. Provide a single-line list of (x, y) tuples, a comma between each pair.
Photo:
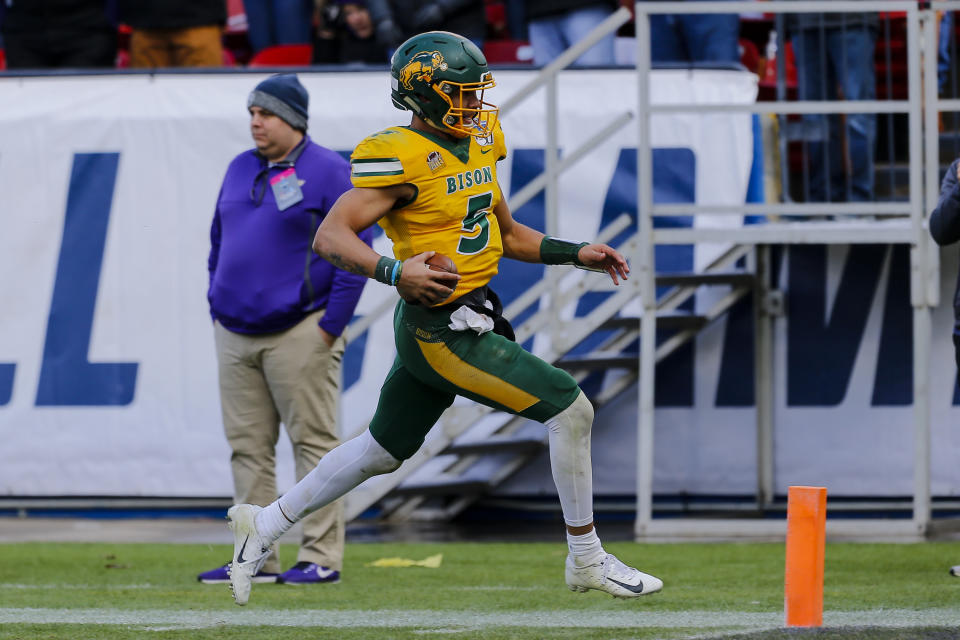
[(473, 449)]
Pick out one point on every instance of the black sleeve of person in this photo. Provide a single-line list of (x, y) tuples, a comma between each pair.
[(326, 50), (945, 219), (450, 6)]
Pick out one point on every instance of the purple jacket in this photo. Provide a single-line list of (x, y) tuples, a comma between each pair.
[(264, 276)]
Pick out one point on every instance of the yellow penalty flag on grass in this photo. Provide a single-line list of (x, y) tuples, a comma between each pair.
[(432, 562)]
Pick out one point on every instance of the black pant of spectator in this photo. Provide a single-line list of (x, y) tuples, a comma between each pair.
[(61, 49), (956, 349)]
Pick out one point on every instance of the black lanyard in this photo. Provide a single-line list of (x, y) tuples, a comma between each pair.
[(259, 188)]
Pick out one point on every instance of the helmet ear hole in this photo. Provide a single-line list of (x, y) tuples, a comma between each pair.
[(421, 99)]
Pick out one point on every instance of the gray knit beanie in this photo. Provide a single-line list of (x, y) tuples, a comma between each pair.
[(284, 96)]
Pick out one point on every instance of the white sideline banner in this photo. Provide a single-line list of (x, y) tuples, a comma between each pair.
[(123, 308)]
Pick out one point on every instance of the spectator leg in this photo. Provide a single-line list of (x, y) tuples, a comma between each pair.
[(855, 70), (261, 32), (89, 49), (577, 24), (150, 48), (547, 40), (815, 81), (304, 378), (712, 37), (198, 47), (666, 43), (26, 51), (943, 50), (251, 422), (293, 21), (517, 20)]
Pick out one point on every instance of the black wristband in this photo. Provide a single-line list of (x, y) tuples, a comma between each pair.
[(557, 251), (386, 270)]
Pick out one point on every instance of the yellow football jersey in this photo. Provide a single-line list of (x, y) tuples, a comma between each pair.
[(456, 191)]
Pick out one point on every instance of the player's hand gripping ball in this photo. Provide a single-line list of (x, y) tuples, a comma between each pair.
[(440, 262)]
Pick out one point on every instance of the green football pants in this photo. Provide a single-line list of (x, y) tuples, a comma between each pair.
[(435, 364)]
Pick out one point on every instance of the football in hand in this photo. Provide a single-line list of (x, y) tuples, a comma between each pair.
[(440, 262)]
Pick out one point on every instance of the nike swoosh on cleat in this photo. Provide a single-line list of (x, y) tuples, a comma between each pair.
[(240, 559), (629, 587)]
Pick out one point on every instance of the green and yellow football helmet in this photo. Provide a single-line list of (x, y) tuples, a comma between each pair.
[(429, 69)]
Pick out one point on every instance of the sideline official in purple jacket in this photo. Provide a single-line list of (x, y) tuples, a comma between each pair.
[(279, 315)]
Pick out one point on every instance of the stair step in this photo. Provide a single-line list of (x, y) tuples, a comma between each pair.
[(599, 361), (442, 486), (735, 278), (670, 320), (496, 444)]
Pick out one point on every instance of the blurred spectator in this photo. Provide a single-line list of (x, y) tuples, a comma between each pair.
[(695, 37), (396, 20), (272, 22), (557, 25), (175, 33), (50, 34), (943, 49), (834, 53), (517, 19), (346, 35)]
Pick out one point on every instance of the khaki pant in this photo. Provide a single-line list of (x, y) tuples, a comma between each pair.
[(191, 47), (294, 378)]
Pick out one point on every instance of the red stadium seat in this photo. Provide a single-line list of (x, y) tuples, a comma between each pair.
[(508, 52), (283, 55), (3, 60)]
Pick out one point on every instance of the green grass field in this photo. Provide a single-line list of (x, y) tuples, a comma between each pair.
[(481, 590)]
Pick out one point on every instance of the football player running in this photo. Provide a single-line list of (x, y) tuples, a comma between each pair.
[(433, 187)]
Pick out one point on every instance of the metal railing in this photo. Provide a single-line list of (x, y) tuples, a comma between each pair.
[(903, 223), (547, 180)]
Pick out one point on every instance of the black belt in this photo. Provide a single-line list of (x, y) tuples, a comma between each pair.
[(475, 300)]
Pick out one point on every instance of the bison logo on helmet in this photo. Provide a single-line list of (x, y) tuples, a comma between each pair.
[(421, 67)]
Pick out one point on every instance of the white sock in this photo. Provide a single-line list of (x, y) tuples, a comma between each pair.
[(272, 523), (338, 472), (585, 549), (570, 460)]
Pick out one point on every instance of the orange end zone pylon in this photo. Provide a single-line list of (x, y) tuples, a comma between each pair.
[(806, 537)]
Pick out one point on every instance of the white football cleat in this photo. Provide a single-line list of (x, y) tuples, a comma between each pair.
[(612, 576), (250, 551), (955, 571)]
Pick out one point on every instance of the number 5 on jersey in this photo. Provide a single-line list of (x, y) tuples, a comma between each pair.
[(476, 226)]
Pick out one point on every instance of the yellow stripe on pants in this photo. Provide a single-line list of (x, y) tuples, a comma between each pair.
[(466, 376)]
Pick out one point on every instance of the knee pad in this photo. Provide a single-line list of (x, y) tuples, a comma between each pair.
[(376, 459), (577, 418)]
